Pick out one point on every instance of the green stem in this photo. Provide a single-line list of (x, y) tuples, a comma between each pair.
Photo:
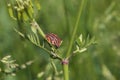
[(54, 67), (54, 70), (34, 23), (41, 32), (65, 72), (75, 28), (66, 66)]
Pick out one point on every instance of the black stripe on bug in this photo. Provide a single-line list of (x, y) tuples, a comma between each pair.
[(53, 39)]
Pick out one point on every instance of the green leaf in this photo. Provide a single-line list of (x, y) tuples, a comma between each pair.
[(10, 10), (82, 44), (21, 34)]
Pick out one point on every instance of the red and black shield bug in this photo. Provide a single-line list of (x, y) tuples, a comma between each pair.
[(53, 39)]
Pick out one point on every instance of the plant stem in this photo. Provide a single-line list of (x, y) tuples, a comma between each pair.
[(66, 65), (34, 23), (65, 72), (75, 28)]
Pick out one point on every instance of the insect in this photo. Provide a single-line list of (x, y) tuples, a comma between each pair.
[(53, 39)]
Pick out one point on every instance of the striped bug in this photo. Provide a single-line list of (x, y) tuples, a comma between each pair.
[(53, 39)]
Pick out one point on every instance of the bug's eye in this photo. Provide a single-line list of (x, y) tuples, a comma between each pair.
[(53, 39)]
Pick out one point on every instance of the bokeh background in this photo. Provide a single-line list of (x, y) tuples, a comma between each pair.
[(100, 18)]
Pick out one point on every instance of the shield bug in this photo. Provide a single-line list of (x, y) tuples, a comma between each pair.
[(53, 39)]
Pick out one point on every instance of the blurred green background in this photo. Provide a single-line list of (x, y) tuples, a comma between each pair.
[(100, 18)]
